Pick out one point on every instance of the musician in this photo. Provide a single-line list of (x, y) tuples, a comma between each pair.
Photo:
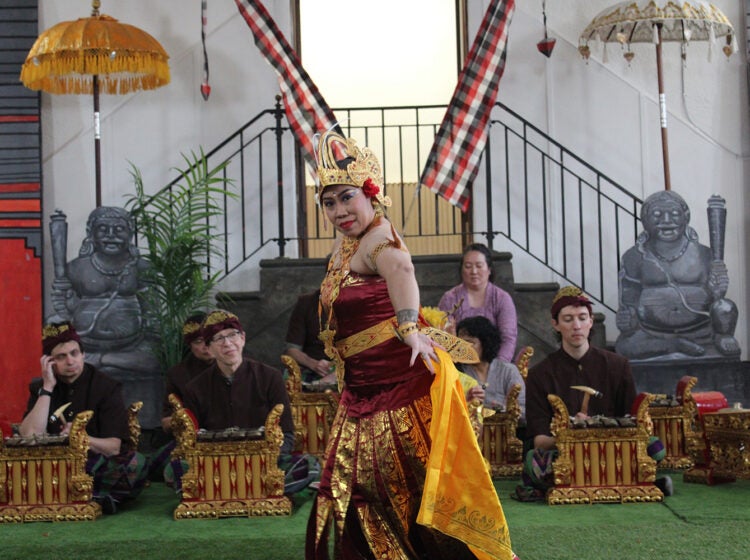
[(196, 361), (119, 472), (236, 391), (575, 363), (303, 344)]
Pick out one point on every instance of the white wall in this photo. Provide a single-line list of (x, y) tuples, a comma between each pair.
[(151, 129), (606, 113)]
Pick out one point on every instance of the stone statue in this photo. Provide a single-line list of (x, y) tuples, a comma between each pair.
[(100, 292), (672, 288)]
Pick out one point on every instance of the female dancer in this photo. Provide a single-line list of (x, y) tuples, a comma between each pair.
[(400, 479)]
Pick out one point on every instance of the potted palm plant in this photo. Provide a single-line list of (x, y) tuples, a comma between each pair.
[(176, 225)]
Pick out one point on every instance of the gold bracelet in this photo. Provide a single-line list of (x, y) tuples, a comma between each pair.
[(406, 328)]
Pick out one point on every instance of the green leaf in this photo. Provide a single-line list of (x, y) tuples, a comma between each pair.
[(176, 226)]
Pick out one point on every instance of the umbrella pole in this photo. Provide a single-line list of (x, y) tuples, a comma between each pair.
[(662, 111), (97, 150)]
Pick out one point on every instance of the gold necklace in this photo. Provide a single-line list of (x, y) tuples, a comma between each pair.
[(338, 269)]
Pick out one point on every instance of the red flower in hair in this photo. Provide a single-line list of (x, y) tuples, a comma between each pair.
[(370, 188)]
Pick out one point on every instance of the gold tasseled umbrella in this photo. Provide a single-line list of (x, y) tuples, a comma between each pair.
[(93, 55), (657, 21)]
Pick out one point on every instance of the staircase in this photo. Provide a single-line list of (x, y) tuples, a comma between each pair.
[(526, 178), (265, 313)]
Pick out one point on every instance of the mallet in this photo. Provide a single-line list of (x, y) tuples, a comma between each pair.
[(587, 393)]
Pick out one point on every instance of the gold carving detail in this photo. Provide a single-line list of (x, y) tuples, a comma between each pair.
[(59, 470), (573, 487), (251, 454)]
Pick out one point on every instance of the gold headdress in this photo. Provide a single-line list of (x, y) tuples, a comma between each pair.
[(364, 172), (569, 295), (191, 328), (58, 333)]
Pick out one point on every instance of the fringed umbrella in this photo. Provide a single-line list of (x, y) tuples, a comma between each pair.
[(655, 22), (93, 55)]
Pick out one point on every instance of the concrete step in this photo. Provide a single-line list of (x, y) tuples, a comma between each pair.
[(265, 313)]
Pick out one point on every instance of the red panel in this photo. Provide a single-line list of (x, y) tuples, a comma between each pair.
[(20, 205), (19, 187), (20, 224), (21, 317), (18, 118)]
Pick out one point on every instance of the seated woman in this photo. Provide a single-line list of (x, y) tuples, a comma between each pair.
[(477, 295), (495, 377)]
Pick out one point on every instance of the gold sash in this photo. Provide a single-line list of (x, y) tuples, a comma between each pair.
[(367, 338), (459, 498)]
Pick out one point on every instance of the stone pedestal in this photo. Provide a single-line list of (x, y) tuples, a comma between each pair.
[(730, 377)]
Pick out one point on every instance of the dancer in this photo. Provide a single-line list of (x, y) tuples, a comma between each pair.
[(402, 424)]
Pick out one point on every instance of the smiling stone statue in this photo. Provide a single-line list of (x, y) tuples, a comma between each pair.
[(101, 292), (672, 288)]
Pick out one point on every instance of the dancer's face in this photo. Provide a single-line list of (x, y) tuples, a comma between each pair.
[(348, 209)]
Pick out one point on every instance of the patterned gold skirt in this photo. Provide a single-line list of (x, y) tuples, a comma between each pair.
[(408, 483)]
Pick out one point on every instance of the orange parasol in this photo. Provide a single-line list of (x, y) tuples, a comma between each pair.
[(95, 54), (652, 21)]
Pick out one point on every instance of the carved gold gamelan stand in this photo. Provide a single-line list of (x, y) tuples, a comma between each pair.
[(237, 478), (727, 434), (678, 428), (606, 465), (44, 479), (500, 446), (312, 412)]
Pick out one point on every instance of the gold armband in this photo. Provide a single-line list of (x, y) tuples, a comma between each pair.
[(406, 328)]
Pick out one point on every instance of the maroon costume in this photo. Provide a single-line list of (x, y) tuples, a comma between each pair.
[(379, 441)]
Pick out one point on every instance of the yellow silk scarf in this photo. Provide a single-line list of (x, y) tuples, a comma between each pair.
[(459, 498)]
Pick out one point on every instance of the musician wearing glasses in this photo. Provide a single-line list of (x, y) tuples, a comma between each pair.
[(236, 391)]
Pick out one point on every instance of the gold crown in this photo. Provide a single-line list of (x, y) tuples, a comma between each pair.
[(365, 165), (50, 331)]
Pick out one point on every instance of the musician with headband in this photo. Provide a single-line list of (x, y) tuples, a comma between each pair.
[(119, 472), (577, 363), (236, 391)]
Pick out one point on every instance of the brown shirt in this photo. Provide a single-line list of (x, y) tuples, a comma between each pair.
[(245, 401), (179, 376), (304, 327), (604, 371), (93, 390)]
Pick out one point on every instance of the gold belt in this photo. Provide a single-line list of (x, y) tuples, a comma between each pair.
[(460, 350), (367, 338)]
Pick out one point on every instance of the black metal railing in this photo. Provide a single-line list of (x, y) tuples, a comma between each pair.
[(543, 198), (558, 208)]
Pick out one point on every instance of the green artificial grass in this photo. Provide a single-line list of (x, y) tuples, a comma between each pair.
[(697, 522)]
